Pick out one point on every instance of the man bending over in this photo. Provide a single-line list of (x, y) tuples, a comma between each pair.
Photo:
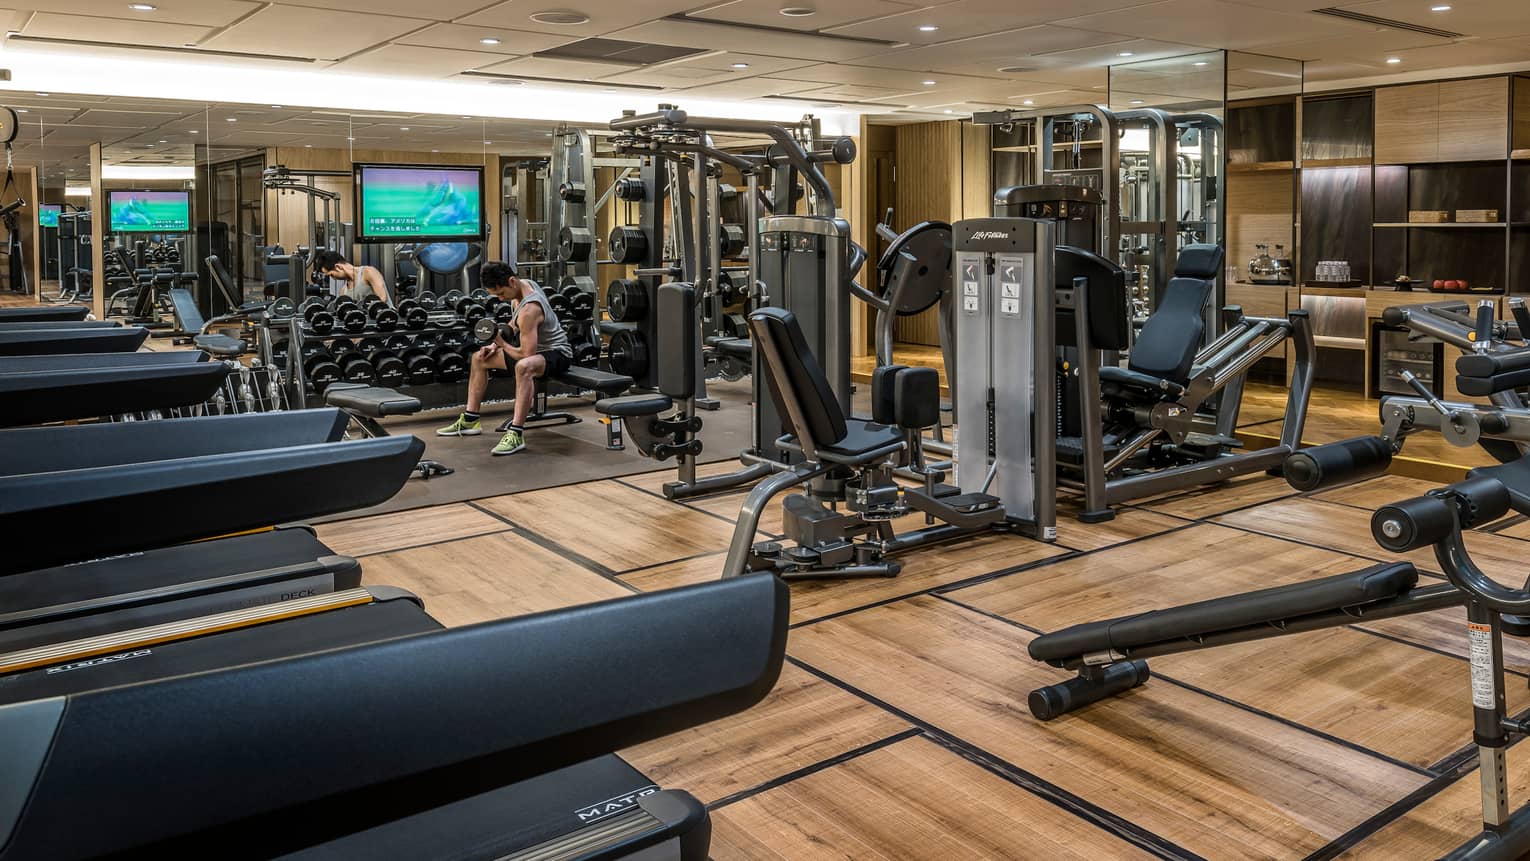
[(359, 280), (543, 348)]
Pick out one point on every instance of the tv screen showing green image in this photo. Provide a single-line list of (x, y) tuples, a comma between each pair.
[(47, 215), (150, 211), (418, 203)]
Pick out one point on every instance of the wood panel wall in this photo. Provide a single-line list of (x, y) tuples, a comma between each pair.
[(98, 220), (1260, 208), (928, 157)]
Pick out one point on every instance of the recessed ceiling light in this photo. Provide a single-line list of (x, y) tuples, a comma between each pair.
[(928, 83), (798, 11), (307, 146), (487, 143), (1441, 8), (928, 28), (488, 40), (466, 117), (1124, 54), (435, 150), (1135, 102), (231, 120), (141, 7), (21, 110), (564, 17), (403, 128), (949, 111), (1199, 63), (740, 65), (1029, 102), (195, 132), (44, 95), (1392, 61), (350, 139), (164, 141), (277, 107)]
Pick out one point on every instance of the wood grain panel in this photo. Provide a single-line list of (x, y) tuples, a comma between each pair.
[(1406, 702), (929, 187), (1408, 124), (489, 577), (1261, 208), (913, 799), (1213, 778), (1521, 113), (1348, 530), (922, 570), (1194, 564), (614, 525), (654, 481), (1214, 499), (1128, 524), (977, 184), (384, 532), (1258, 300), (803, 720), (1444, 821), (1474, 119), (1377, 492), (1445, 630)]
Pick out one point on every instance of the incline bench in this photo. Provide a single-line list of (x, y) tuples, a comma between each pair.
[(364, 405)]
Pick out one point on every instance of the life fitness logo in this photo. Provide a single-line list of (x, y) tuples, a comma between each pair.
[(990, 234)]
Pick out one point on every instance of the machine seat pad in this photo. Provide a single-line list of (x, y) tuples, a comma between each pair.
[(1139, 380), (595, 380), (373, 401), (865, 442), (1385, 580), (222, 346), (1515, 476), (738, 348), (632, 406)]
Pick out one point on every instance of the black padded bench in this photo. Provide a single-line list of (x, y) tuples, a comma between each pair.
[(603, 383), (365, 404), (64, 313)]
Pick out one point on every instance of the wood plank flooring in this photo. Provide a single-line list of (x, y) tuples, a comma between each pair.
[(899, 728)]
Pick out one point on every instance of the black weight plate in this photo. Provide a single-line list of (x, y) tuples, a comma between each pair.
[(630, 189), (368, 346), (733, 240), (484, 329), (398, 343), (416, 317), (558, 304), (571, 191), (575, 244), (582, 306), (353, 320), (920, 284), (281, 309), (627, 300), (627, 244), (427, 300), (451, 366), (391, 370), (628, 354), (341, 345)]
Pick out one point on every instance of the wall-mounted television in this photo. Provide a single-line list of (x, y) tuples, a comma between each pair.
[(419, 203), (150, 211), (47, 214)]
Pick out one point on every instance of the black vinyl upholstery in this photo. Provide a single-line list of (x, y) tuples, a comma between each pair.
[(884, 396), (42, 342), (799, 379), (66, 361), (44, 312), (916, 396), (1514, 476), (1355, 588), (1172, 335), (34, 397), (676, 308), (1109, 311), (373, 401), (596, 380)]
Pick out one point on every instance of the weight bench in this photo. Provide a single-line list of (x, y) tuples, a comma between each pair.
[(603, 383), (365, 404), (33, 313)]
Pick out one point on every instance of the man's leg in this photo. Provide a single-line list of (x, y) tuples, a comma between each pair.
[(526, 372), (478, 386)]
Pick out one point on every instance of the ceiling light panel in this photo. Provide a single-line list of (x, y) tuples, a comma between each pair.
[(1211, 22), (139, 30), (459, 37), (415, 61), (324, 34)]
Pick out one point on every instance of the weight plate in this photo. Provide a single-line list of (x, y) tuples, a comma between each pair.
[(505, 312), (628, 244), (484, 329), (353, 320), (416, 317), (427, 300), (398, 343), (628, 355), (733, 240), (627, 300), (341, 345), (281, 309), (571, 191), (630, 189), (575, 244), (368, 346)]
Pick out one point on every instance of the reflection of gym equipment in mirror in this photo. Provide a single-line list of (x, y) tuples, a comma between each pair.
[(324, 229)]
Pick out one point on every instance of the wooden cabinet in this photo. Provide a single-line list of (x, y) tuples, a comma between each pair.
[(1466, 120), (1474, 119), (1408, 124)]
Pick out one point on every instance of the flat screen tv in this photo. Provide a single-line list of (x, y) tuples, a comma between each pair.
[(150, 211), (47, 214), (419, 203)]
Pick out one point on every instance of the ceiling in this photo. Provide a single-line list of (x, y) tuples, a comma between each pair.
[(877, 56)]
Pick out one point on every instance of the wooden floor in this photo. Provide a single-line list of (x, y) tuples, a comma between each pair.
[(899, 728)]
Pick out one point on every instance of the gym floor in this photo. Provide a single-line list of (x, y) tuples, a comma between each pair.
[(899, 727)]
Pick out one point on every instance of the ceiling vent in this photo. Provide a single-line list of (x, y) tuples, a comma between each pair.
[(617, 52), (1016, 70), (561, 17), (1347, 15)]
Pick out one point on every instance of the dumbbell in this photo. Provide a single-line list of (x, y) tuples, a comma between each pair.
[(382, 317), (354, 368), (481, 294), (451, 299), (504, 313), (321, 370), (470, 310), (413, 314), (348, 315), (318, 317), (419, 366), (341, 345), (427, 300), (733, 240), (430, 341), (582, 306), (586, 355), (390, 368), (559, 305), (451, 365)]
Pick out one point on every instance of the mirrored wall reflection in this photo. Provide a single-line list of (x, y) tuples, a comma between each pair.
[(1263, 165), (52, 173)]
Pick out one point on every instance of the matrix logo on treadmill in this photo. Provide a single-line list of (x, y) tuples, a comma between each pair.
[(990, 234), (617, 804)]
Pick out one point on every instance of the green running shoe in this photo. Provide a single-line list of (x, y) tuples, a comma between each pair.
[(510, 443), (461, 427)]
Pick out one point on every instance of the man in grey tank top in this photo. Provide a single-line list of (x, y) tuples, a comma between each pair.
[(542, 349)]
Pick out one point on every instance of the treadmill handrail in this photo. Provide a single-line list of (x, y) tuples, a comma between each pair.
[(275, 756)]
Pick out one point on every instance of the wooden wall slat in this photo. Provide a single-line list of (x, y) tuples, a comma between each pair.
[(929, 187)]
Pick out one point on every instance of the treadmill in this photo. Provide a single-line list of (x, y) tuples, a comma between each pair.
[(132, 483), (368, 732)]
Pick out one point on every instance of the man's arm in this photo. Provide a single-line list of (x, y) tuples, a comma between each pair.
[(379, 287), (530, 318)]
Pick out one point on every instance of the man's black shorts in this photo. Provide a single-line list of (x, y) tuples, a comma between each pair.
[(557, 362)]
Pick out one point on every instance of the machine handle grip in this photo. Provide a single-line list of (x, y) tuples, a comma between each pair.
[(1483, 336), (1521, 317)]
